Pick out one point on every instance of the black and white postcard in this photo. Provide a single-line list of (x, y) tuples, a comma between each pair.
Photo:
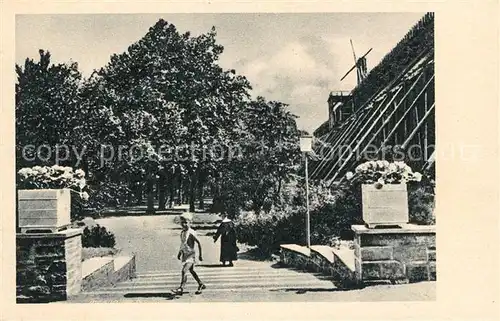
[(234, 154)]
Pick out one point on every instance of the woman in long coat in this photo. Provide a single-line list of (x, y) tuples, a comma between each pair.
[(228, 247)]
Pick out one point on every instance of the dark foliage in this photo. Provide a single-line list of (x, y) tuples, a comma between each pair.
[(421, 202), (97, 236), (332, 213), (419, 39)]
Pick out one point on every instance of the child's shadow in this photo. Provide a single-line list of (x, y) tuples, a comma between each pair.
[(167, 295), (211, 265)]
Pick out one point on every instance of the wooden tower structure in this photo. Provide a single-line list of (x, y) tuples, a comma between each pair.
[(395, 108)]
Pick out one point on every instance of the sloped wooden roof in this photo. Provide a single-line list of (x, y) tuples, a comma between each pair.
[(404, 64)]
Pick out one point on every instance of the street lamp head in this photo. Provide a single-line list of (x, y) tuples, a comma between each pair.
[(306, 143)]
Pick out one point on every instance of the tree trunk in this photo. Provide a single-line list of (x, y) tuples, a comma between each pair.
[(201, 182), (192, 195), (179, 190), (278, 192), (138, 194), (130, 198), (259, 197), (85, 166), (257, 205), (185, 191), (217, 201), (162, 192), (172, 190), (151, 195)]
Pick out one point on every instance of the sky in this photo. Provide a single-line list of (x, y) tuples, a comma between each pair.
[(295, 58)]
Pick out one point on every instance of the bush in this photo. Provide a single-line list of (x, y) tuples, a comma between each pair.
[(333, 219), (97, 236), (108, 194), (421, 205), (268, 231), (332, 212)]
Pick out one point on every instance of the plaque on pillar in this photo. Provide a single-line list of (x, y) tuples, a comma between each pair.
[(385, 205), (44, 210)]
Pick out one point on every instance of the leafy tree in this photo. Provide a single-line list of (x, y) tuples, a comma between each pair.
[(270, 153), (47, 110), (168, 98), (174, 82)]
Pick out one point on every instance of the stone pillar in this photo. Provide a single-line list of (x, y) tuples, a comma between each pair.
[(406, 254), (49, 265)]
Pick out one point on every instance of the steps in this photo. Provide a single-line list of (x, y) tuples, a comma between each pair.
[(105, 271), (248, 277)]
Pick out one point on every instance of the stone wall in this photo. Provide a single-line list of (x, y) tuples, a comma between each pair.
[(101, 277), (405, 254), (48, 265), (107, 271), (73, 250), (126, 272), (321, 259), (344, 272), (296, 256), (322, 263)]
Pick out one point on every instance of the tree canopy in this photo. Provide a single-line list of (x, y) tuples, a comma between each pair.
[(156, 119)]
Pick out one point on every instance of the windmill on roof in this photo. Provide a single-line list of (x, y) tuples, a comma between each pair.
[(360, 65)]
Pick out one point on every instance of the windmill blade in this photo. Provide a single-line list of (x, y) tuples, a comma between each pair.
[(366, 53), (355, 61), (353, 53), (348, 72)]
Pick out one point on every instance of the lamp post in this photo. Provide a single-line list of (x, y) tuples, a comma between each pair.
[(306, 147)]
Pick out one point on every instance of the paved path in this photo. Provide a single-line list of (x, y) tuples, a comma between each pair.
[(155, 241)]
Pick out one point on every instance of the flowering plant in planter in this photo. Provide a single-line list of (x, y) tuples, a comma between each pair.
[(54, 177), (389, 205), (383, 172), (57, 177)]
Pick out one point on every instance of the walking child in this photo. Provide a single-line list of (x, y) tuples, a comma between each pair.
[(187, 254)]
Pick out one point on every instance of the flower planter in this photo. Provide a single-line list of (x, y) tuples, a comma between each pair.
[(44, 210), (384, 206)]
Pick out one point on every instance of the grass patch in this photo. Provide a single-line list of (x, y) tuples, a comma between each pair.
[(91, 252)]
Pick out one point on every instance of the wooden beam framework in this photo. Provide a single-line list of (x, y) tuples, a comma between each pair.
[(399, 113)]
